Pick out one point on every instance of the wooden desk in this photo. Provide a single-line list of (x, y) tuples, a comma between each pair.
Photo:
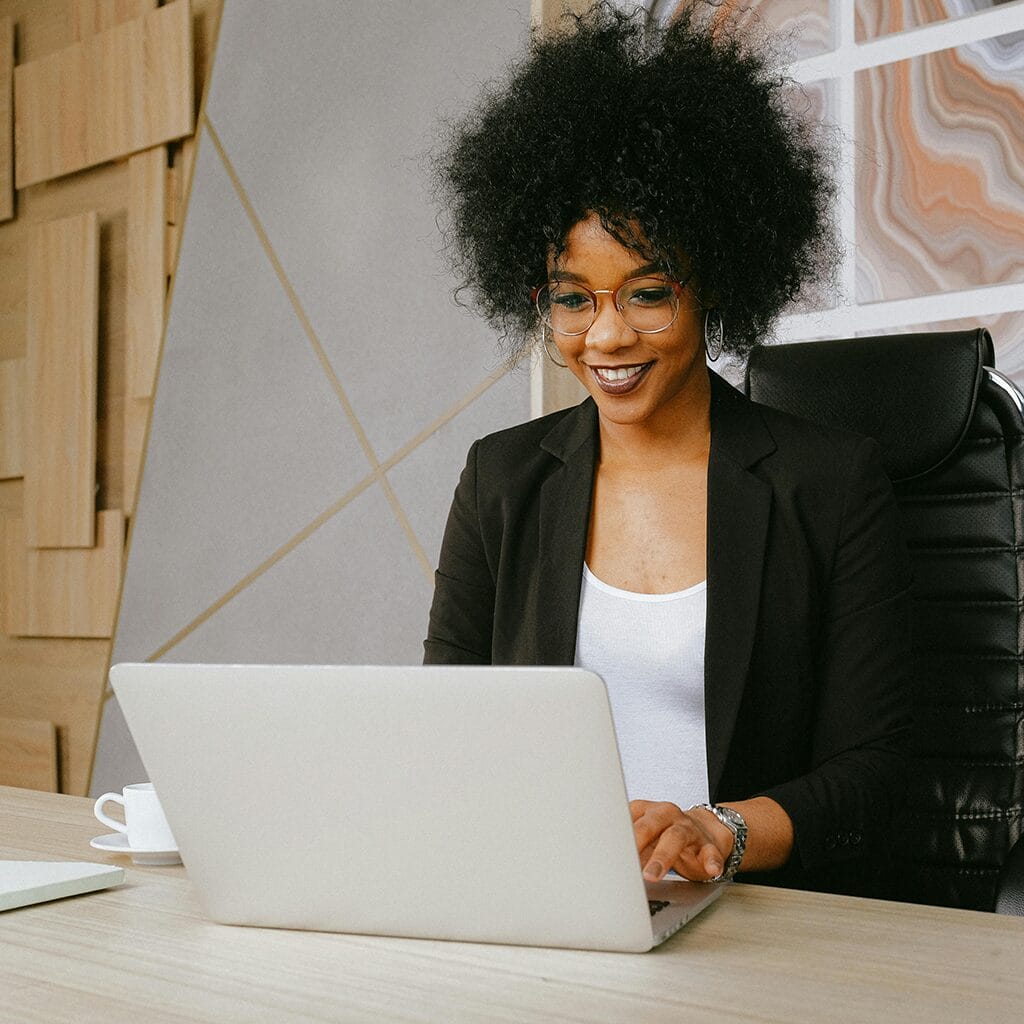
[(143, 952)]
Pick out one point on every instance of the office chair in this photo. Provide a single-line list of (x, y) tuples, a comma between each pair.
[(951, 431)]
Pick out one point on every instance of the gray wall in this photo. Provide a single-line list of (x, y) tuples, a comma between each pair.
[(306, 439)]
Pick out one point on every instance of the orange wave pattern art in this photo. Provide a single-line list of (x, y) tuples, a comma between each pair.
[(940, 171), (803, 28), (876, 18)]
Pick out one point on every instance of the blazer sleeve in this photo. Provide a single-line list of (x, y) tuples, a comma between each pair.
[(842, 809), (462, 612)]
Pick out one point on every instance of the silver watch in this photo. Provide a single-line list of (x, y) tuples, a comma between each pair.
[(736, 824)]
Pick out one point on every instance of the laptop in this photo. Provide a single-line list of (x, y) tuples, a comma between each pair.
[(480, 804)]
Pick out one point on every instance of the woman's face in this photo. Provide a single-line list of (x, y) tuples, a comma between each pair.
[(667, 370)]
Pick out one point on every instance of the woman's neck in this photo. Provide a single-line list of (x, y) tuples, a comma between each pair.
[(680, 434)]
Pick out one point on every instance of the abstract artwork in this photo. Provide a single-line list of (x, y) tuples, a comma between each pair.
[(940, 171), (881, 17)]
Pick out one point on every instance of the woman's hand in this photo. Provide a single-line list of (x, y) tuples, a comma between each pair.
[(694, 843)]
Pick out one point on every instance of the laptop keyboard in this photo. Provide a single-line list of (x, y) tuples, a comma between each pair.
[(657, 905)]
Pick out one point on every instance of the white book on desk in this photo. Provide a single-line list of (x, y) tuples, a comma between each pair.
[(23, 882)]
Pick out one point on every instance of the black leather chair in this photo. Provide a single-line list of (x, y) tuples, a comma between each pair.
[(951, 430)]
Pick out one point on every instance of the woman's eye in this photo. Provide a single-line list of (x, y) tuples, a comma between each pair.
[(572, 302), (651, 296)]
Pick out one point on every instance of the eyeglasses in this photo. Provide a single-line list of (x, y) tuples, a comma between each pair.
[(647, 304)]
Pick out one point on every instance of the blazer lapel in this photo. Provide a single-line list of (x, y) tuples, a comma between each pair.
[(565, 499), (739, 506)]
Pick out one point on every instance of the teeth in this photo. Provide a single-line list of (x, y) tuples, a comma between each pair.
[(622, 373)]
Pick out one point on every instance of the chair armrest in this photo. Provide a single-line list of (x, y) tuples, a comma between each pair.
[(1010, 892)]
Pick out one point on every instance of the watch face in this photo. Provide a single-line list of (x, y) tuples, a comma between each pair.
[(733, 818)]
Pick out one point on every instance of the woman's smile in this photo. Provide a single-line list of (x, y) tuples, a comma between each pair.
[(618, 380)]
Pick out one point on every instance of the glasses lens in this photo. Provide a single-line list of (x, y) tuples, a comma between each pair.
[(647, 304), (566, 307)]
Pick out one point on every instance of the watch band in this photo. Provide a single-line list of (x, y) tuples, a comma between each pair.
[(736, 823)]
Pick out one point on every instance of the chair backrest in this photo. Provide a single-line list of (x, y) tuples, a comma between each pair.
[(951, 430)]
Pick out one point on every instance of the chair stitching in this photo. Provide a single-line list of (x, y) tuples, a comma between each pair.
[(998, 815), (931, 499), (971, 708), (967, 763), (960, 548)]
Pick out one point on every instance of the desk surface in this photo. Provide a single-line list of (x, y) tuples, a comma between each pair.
[(143, 951)]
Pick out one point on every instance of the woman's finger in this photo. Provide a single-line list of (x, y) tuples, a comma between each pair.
[(700, 863), (654, 820), (678, 839)]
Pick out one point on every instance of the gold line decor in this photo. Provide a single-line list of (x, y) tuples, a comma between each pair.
[(290, 545), (6, 118), (293, 542), (293, 298), (64, 592), (12, 412), (28, 754), (114, 93), (321, 354), (60, 429), (147, 285)]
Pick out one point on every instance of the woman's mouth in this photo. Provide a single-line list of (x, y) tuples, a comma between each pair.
[(618, 380)]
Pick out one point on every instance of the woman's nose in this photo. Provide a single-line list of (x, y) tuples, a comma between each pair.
[(609, 331)]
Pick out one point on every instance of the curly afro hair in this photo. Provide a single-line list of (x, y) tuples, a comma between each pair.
[(678, 137)]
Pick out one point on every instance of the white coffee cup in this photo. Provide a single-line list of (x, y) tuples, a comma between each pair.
[(145, 824)]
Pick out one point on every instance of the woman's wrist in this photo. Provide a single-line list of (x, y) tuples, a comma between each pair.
[(736, 826), (769, 833)]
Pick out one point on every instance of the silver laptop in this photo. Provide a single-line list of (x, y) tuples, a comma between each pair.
[(478, 804)]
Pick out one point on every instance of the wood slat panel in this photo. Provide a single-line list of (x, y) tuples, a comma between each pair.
[(59, 681), (60, 427), (173, 180), (117, 92), (61, 592), (6, 118), (12, 413), (147, 284), (91, 16), (136, 418), (28, 754)]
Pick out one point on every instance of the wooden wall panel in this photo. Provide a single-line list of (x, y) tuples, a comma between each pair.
[(136, 421), (56, 679), (147, 283), (6, 118), (60, 592), (115, 93), (59, 681), (28, 754), (12, 413), (91, 16), (60, 428)]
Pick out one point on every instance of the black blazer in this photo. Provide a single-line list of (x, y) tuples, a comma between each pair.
[(806, 650)]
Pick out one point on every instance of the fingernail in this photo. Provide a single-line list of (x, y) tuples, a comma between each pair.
[(715, 867), (653, 871)]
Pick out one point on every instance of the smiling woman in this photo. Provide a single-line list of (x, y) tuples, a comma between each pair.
[(640, 199)]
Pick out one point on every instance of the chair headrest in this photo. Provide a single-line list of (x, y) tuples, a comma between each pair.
[(913, 393)]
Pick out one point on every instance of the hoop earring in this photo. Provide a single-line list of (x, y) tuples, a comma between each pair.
[(714, 334), (547, 349)]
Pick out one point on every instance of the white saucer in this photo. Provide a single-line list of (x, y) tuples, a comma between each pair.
[(117, 842)]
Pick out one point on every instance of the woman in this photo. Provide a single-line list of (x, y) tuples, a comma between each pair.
[(734, 574)]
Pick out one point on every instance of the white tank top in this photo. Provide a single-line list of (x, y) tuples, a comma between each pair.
[(649, 650)]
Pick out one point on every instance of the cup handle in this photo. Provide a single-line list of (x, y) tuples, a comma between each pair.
[(98, 811)]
